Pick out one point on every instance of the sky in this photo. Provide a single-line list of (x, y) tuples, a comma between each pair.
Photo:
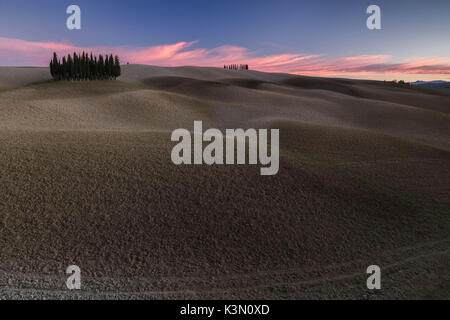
[(320, 37)]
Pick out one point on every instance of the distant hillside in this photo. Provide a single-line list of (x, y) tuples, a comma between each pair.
[(432, 84)]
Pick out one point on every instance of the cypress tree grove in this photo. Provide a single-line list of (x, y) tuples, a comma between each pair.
[(85, 67)]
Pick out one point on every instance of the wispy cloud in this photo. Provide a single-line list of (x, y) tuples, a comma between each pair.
[(22, 52)]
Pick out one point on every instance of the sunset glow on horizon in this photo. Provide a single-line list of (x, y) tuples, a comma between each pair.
[(349, 49)]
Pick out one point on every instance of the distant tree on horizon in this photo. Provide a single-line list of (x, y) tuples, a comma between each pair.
[(236, 67)]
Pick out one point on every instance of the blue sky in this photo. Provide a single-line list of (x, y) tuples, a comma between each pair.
[(330, 29)]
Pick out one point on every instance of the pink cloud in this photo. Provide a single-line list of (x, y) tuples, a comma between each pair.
[(21, 52)]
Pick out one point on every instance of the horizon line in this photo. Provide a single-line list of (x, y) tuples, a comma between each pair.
[(22, 53), (251, 70)]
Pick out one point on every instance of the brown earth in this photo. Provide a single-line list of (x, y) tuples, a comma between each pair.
[(87, 179)]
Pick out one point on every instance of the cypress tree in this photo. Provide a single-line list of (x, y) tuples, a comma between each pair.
[(51, 70), (106, 66), (79, 67), (64, 68), (96, 68), (75, 66), (116, 68), (100, 67), (55, 65), (59, 70), (70, 67), (88, 67), (111, 66), (83, 66), (91, 67)]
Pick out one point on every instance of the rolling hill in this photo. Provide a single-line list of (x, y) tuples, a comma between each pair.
[(87, 179)]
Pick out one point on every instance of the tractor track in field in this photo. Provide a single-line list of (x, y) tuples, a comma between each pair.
[(13, 285)]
